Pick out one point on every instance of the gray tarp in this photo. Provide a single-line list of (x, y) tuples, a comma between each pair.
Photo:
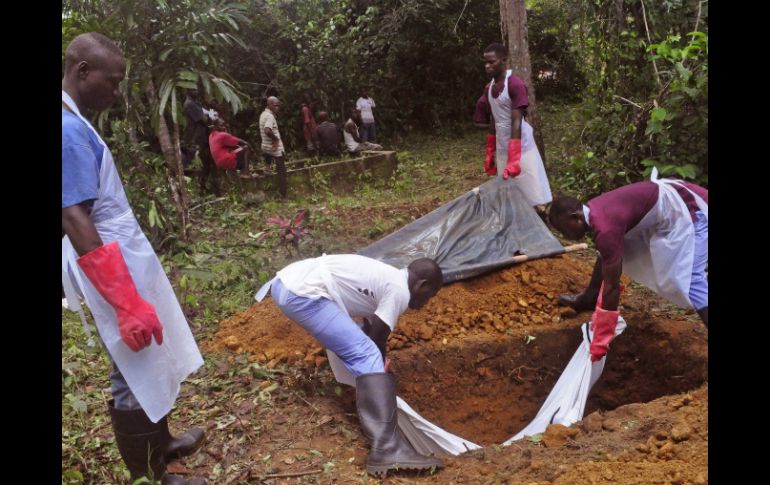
[(471, 235)]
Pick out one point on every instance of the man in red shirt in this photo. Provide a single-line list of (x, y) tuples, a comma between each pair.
[(655, 231), (309, 127), (229, 152), (511, 152)]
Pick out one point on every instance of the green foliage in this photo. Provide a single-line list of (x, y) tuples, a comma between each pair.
[(645, 104), (422, 72), (150, 197), (556, 61)]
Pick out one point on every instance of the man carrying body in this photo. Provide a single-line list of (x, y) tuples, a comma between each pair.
[(511, 150), (108, 261), (322, 295), (655, 231), (353, 142), (272, 146)]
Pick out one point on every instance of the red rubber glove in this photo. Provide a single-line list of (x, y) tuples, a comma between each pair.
[(603, 323), (489, 162), (137, 320), (513, 166)]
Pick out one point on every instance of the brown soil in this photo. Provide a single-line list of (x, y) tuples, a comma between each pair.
[(487, 391), (463, 362), (498, 305)]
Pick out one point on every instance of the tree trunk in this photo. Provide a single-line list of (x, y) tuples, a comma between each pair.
[(173, 157), (513, 27), (180, 176)]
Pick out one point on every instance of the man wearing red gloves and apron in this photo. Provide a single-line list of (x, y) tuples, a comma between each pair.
[(108, 261), (654, 231), (511, 150)]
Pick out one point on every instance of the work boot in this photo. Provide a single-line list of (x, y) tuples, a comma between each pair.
[(585, 300), (140, 444), (184, 445), (376, 404)]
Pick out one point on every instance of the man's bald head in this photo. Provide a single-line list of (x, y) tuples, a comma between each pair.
[(273, 104), (424, 280), (91, 47), (93, 69)]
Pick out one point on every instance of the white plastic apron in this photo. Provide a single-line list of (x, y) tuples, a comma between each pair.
[(658, 252), (532, 180), (154, 373)]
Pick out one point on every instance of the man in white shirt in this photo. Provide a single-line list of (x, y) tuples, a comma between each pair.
[(366, 105), (322, 295), (353, 142), (272, 145)]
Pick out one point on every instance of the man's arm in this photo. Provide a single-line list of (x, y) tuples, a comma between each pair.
[(378, 331), (611, 276), (270, 134), (81, 231), (351, 128), (517, 115), (107, 271)]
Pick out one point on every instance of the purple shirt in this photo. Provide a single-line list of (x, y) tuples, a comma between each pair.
[(517, 91), (615, 213)]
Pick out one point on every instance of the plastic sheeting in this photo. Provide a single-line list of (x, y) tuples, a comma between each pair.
[(479, 232), (564, 405), (476, 233)]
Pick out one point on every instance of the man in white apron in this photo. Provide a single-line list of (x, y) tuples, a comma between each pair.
[(322, 295), (511, 150), (108, 262), (655, 231)]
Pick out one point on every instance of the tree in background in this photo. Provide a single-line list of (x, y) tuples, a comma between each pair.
[(513, 28)]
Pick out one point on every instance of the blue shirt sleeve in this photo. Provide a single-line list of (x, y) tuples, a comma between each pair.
[(79, 163)]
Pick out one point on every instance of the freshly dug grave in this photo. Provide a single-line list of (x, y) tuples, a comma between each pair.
[(488, 390), (444, 352), (482, 356)]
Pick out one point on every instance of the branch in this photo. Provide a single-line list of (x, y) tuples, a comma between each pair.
[(697, 20), (466, 4), (647, 29), (296, 474), (220, 199), (626, 100)]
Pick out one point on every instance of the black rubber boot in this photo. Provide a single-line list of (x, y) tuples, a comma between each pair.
[(376, 403), (140, 442), (582, 301), (183, 445)]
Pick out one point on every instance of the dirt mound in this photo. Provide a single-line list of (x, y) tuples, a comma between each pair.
[(268, 336), (503, 303)]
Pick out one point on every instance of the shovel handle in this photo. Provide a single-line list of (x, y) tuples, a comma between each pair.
[(567, 249)]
